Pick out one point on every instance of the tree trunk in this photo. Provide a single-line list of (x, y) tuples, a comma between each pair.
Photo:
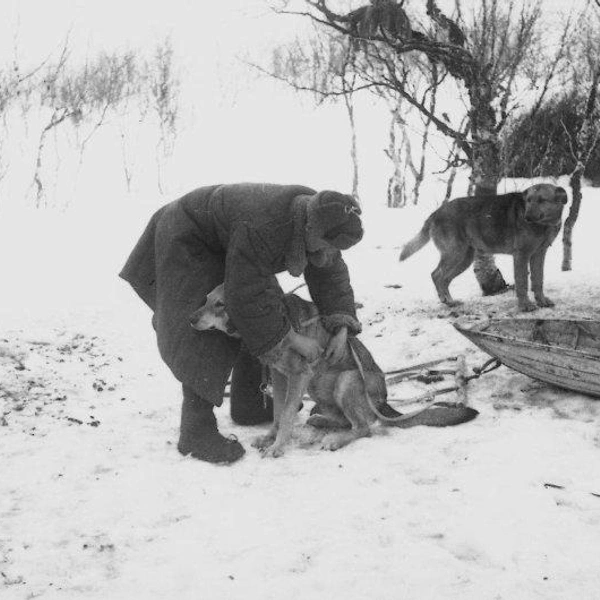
[(488, 275), (575, 183), (485, 175), (396, 189), (353, 145), (420, 175), (450, 185), (396, 194)]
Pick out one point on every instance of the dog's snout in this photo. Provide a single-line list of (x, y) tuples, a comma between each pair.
[(532, 216)]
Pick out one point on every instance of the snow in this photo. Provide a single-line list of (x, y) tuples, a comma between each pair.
[(95, 501)]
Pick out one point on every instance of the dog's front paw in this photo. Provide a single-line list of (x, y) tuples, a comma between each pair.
[(273, 451), (332, 442), (527, 306), (262, 442), (544, 302)]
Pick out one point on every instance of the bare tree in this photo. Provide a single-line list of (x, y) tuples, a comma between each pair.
[(50, 97), (407, 164), (486, 51), (16, 88), (349, 103), (321, 66), (164, 91), (79, 99), (561, 136), (82, 96), (453, 162), (585, 60), (396, 189), (325, 66)]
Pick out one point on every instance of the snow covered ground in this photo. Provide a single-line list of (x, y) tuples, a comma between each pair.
[(95, 501)]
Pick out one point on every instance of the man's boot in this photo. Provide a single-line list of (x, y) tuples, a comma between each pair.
[(198, 434), (249, 406)]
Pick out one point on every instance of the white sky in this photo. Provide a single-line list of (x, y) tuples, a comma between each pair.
[(197, 27), (249, 128)]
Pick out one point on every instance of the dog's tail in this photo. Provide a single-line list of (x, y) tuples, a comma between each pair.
[(440, 414), (417, 242)]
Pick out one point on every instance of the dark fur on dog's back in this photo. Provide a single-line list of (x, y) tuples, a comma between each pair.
[(474, 219), (523, 224)]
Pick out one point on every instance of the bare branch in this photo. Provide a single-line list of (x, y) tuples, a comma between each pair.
[(398, 86), (313, 89), (554, 64)]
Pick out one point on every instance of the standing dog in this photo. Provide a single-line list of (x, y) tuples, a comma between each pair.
[(523, 224), (350, 395)]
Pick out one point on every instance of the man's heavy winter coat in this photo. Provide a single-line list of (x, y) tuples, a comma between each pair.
[(242, 234)]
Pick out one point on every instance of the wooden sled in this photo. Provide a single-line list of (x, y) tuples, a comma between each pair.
[(562, 352)]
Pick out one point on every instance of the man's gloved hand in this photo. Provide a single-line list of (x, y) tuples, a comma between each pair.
[(337, 345), (306, 346)]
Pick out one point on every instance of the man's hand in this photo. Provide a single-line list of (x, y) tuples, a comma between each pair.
[(306, 346), (337, 345)]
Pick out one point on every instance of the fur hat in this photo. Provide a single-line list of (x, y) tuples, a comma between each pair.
[(334, 218)]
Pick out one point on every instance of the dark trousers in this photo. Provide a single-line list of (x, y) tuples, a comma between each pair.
[(247, 398)]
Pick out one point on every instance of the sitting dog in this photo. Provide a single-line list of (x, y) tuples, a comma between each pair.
[(523, 224), (349, 395)]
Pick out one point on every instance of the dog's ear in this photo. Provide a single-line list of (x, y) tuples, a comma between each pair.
[(561, 195)]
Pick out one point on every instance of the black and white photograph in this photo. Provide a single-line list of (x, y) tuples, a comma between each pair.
[(300, 300)]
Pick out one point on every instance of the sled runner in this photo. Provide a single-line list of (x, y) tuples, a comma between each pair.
[(454, 367), (562, 352)]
